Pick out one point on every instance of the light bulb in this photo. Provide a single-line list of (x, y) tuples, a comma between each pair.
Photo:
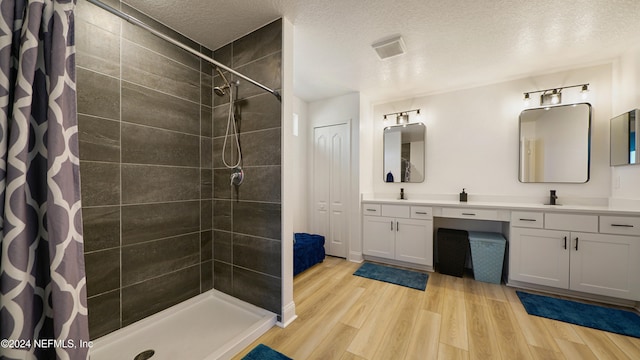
[(584, 92)]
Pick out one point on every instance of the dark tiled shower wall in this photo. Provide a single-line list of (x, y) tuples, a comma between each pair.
[(145, 121), (247, 219)]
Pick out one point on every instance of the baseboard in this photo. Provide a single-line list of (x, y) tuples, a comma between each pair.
[(399, 263), (288, 315), (355, 257), (575, 294)]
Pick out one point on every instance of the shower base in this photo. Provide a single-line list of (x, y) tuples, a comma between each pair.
[(210, 326)]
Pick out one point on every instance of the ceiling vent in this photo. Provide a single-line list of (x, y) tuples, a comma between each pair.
[(389, 47)]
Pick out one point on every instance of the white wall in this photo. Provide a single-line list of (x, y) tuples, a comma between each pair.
[(472, 140), (287, 162), (339, 110), (625, 179), (300, 172)]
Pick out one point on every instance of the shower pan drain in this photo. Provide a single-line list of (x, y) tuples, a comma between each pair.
[(147, 354)]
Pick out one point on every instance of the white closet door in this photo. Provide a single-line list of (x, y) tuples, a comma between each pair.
[(331, 187)]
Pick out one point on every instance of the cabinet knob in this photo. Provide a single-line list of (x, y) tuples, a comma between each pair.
[(576, 243), (565, 243)]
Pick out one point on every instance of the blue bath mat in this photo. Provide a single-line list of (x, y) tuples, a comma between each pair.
[(263, 352), (593, 316), (408, 278)]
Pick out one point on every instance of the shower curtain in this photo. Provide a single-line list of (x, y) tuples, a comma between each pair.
[(43, 305)]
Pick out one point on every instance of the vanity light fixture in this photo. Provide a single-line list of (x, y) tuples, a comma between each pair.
[(585, 91), (402, 117), (553, 96)]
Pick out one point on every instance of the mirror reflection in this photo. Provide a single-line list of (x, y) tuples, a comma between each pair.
[(624, 137), (555, 144), (404, 153)]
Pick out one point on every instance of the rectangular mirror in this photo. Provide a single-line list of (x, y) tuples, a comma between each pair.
[(404, 153), (555, 144), (624, 137)]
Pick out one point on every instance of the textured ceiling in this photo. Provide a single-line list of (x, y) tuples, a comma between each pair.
[(450, 44)]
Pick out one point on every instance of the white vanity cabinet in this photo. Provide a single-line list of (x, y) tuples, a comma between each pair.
[(572, 251), (538, 256), (398, 232)]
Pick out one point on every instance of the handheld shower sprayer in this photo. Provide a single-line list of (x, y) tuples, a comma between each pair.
[(237, 175), (222, 90)]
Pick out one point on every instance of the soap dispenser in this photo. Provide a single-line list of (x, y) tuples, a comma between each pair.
[(463, 196)]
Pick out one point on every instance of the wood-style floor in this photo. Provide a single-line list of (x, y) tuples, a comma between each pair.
[(341, 316)]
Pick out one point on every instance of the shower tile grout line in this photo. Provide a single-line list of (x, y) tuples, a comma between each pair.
[(159, 128), (144, 242), (250, 132), (248, 201), (102, 293), (256, 60), (165, 56), (98, 117), (143, 164), (249, 97), (141, 125), (247, 235), (121, 322), (252, 166), (200, 174), (159, 202), (248, 269), (162, 275), (135, 204), (135, 83)]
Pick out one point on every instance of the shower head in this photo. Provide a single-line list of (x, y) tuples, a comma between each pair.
[(221, 90)]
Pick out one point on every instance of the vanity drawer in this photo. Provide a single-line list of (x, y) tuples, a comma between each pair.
[(401, 211), (527, 219), (421, 212), (620, 225), (479, 214), (571, 222), (371, 209)]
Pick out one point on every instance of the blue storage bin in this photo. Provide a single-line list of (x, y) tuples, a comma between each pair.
[(487, 255), (308, 250)]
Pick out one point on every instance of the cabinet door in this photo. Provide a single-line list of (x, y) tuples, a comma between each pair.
[(539, 257), (606, 265), (414, 241), (378, 236)]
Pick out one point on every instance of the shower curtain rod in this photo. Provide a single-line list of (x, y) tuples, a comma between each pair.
[(143, 25)]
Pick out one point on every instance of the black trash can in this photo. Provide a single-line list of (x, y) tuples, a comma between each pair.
[(453, 246)]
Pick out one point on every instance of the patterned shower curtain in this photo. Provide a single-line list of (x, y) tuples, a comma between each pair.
[(43, 305)]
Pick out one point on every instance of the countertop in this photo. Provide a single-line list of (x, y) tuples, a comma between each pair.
[(507, 206)]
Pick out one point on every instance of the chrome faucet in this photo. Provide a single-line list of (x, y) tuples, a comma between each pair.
[(552, 197)]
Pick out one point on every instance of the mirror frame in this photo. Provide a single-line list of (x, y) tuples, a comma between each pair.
[(617, 152), (588, 148), (384, 153)]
